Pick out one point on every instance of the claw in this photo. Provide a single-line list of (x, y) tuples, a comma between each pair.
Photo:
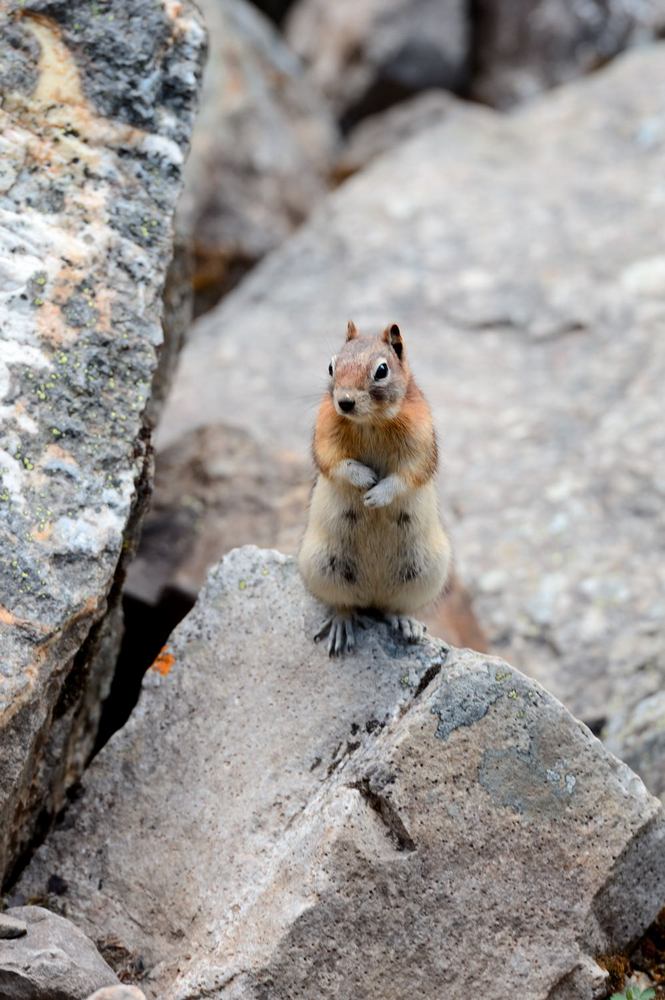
[(409, 628), (341, 634)]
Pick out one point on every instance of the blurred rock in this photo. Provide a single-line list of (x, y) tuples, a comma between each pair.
[(521, 256), (274, 9), (637, 735), (91, 158), (365, 55), (261, 152), (53, 961), (523, 47), (388, 130), (329, 829), (215, 489)]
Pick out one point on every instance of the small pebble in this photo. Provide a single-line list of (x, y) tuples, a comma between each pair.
[(118, 993), (10, 927)]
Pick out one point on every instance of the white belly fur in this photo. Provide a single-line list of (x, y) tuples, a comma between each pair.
[(395, 559)]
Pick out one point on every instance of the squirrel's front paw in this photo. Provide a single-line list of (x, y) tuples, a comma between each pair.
[(359, 475), (380, 495)]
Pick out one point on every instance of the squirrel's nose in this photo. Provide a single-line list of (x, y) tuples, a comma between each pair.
[(346, 405)]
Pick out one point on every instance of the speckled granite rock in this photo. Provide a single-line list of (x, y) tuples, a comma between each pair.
[(525, 46), (342, 828), (533, 313), (97, 109), (365, 55), (52, 961), (262, 148)]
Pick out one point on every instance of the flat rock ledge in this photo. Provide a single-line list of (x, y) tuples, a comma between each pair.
[(96, 110), (407, 821)]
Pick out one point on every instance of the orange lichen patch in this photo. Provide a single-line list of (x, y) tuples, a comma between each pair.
[(7, 618), (103, 300), (42, 534), (51, 325), (164, 661), (58, 81)]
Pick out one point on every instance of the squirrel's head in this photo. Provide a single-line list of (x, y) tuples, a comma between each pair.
[(369, 376)]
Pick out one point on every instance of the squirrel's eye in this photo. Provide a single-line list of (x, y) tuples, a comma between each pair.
[(381, 371), (330, 369)]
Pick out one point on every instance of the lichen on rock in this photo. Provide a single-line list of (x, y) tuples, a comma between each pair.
[(92, 141)]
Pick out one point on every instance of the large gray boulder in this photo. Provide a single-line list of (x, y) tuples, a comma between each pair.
[(53, 960), (523, 258), (91, 160), (405, 821), (262, 148)]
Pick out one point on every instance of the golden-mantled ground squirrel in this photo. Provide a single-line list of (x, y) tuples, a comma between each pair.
[(374, 539)]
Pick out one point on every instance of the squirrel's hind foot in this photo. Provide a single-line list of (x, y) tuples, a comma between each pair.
[(409, 628), (341, 634)]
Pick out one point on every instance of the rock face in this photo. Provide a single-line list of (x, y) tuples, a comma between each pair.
[(261, 152), (52, 961), (531, 312), (96, 114), (322, 828), (523, 47), (367, 54)]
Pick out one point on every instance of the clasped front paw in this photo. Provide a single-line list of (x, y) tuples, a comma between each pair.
[(380, 495), (360, 475)]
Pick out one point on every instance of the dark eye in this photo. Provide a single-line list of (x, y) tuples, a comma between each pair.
[(381, 371), (330, 369)]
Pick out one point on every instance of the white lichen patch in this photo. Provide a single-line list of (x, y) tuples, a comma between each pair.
[(89, 534)]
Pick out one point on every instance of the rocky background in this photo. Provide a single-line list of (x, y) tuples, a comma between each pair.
[(413, 821)]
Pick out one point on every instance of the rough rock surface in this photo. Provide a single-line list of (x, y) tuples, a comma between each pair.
[(342, 828), (365, 55), (532, 311), (262, 148), (96, 113), (53, 961), (526, 46)]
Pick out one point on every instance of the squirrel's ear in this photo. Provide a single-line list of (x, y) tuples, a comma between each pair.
[(392, 336), (351, 331)]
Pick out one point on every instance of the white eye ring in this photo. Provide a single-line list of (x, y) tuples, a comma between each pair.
[(331, 366), (382, 363)]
